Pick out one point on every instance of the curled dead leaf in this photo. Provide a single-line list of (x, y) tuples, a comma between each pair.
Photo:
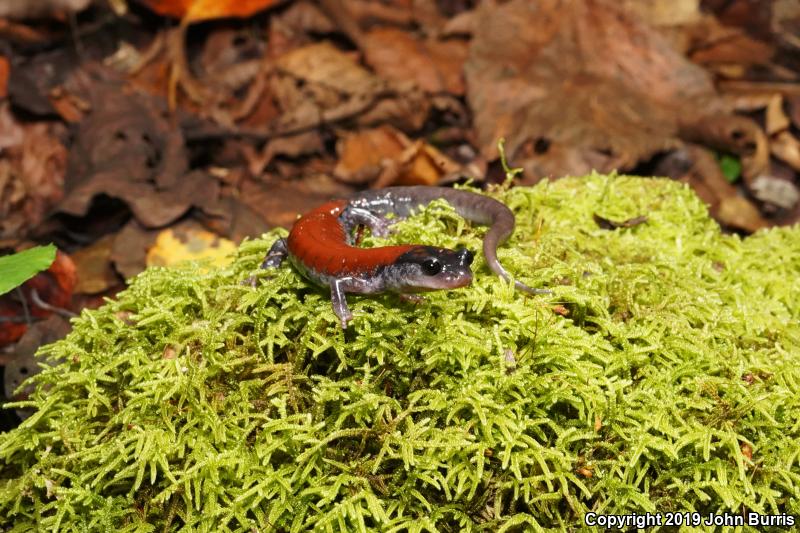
[(786, 147), (385, 156), (698, 167), (776, 119), (738, 212), (730, 133), (362, 153)]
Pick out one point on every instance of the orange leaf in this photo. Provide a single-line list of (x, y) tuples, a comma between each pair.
[(197, 10), (5, 70)]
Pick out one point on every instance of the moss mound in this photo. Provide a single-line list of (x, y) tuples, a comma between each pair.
[(662, 375)]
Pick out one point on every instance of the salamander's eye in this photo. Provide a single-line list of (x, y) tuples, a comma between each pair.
[(431, 267)]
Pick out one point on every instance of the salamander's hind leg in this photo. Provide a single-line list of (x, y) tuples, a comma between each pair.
[(355, 216), (277, 253), (339, 301)]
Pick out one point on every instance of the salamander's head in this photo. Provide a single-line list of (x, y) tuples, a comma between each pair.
[(426, 268)]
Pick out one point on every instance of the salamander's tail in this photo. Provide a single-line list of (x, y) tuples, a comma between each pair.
[(490, 253)]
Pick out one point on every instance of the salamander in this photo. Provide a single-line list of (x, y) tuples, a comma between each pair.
[(320, 245)]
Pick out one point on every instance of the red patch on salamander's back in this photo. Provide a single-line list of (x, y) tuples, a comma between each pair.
[(319, 242)]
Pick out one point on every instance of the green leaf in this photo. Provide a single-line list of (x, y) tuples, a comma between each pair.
[(16, 269), (731, 167)]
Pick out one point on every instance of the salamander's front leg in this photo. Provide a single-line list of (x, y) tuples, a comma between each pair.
[(277, 253), (339, 300)]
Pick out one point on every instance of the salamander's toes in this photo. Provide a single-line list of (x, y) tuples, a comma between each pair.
[(346, 319), (412, 298)]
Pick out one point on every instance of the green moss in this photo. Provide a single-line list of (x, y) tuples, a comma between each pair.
[(663, 374)]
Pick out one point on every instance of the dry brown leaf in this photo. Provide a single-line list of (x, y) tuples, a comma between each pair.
[(292, 146), (786, 22), (716, 44), (233, 219), (697, 166), (665, 13), (384, 156), (319, 84), (69, 107), (754, 16), (463, 23), (786, 147), (24, 9), (576, 85), (730, 133), (747, 103), (362, 153), (395, 13), (776, 119), (794, 110), (320, 76), (406, 110), (419, 164), (738, 212), (130, 248), (126, 148), (32, 168), (93, 265), (434, 65), (279, 202), (291, 28)]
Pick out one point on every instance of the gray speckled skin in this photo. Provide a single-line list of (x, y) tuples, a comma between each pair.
[(413, 271)]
